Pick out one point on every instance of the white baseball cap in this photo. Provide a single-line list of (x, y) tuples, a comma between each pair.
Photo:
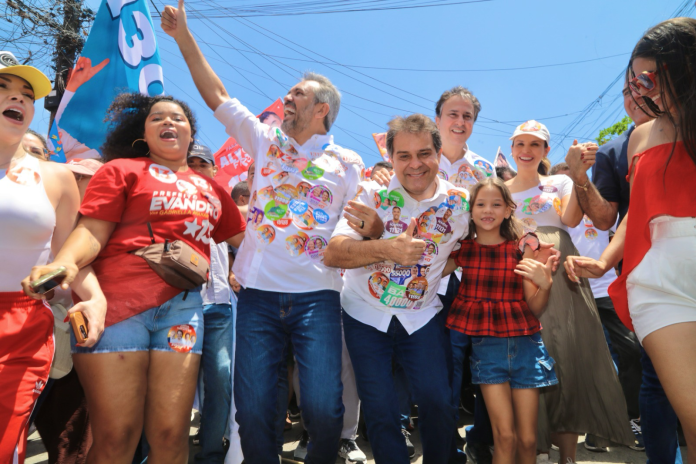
[(534, 128), (38, 80)]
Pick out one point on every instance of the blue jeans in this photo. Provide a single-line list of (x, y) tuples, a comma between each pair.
[(423, 356), (215, 380), (265, 322), (658, 420)]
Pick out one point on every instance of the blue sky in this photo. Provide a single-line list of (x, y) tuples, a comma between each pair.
[(466, 39)]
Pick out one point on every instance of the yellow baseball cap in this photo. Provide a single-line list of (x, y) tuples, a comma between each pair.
[(38, 80)]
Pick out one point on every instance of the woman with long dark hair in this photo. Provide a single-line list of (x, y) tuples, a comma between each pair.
[(138, 376), (655, 294)]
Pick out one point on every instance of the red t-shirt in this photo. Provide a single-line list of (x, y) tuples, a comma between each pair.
[(179, 206)]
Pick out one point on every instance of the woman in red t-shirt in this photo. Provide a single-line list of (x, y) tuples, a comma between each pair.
[(655, 294), (142, 372)]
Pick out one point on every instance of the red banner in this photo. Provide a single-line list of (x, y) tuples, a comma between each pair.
[(232, 161)]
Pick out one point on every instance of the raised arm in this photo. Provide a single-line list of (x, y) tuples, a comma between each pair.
[(348, 253), (208, 83), (580, 158)]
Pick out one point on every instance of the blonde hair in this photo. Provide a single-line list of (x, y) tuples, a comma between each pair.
[(510, 228)]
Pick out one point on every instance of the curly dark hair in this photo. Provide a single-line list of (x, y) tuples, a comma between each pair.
[(126, 118)]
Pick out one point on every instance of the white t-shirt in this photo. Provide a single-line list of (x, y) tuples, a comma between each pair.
[(297, 198), (464, 173), (541, 205), (374, 293), (591, 242)]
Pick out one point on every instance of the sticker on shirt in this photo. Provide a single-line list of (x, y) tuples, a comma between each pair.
[(274, 152), (162, 173), (295, 244), (394, 296), (528, 225), (548, 187), (377, 283), (268, 170), (557, 206), (465, 177), (315, 246), (23, 175), (442, 174), (416, 288), (320, 197), (280, 137), (275, 211), (285, 193), (457, 201), (320, 216), (587, 221), (431, 251), (306, 220), (590, 234), (484, 166), (187, 188), (295, 164), (312, 172), (435, 224), (201, 183), (266, 234), (390, 199), (357, 195), (255, 218), (181, 338), (536, 205), (267, 193), (303, 189), (400, 274), (395, 225), (281, 178)]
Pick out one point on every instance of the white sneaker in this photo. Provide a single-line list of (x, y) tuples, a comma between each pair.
[(350, 452), (543, 458)]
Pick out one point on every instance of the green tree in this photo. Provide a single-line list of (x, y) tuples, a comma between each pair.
[(614, 130)]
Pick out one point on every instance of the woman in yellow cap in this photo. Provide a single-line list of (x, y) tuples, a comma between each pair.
[(38, 209)]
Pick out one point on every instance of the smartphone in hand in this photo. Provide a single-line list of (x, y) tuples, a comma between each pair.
[(48, 282), (79, 326)]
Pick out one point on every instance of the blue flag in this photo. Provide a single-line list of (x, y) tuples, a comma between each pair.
[(120, 55)]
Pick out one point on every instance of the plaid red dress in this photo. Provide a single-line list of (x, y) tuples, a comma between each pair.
[(490, 300)]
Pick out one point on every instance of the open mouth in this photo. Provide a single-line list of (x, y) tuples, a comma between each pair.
[(168, 135), (457, 131), (288, 111), (524, 158), (13, 114)]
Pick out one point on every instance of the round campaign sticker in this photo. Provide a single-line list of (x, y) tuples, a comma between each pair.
[(274, 152), (162, 173), (297, 164), (305, 221), (297, 206), (430, 252), (315, 246), (394, 225), (587, 221), (200, 182), (303, 189), (416, 288), (275, 211), (457, 201), (266, 234), (377, 283), (320, 196), (181, 338), (255, 217), (312, 172), (285, 193), (281, 177), (529, 225), (381, 200), (295, 244), (485, 166), (464, 177), (320, 216), (557, 206), (536, 205), (267, 193), (283, 223), (442, 174), (187, 188), (396, 199), (548, 188), (591, 234)]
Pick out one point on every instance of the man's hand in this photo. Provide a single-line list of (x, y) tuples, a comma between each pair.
[(233, 282), (581, 266), (383, 177), (406, 250), (580, 158), (364, 220), (83, 72), (174, 20)]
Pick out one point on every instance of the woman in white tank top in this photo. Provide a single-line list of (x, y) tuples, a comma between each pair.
[(38, 209)]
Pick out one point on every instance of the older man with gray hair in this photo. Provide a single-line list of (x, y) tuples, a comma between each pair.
[(303, 183)]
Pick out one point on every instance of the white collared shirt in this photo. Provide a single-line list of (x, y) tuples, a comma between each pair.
[(297, 198), (374, 293), (217, 290), (465, 172)]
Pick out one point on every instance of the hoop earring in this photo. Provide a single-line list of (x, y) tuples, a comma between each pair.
[(137, 140)]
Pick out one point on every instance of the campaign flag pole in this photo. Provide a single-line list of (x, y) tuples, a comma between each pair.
[(120, 55)]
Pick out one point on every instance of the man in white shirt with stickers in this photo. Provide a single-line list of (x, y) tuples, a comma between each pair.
[(286, 292), (386, 312)]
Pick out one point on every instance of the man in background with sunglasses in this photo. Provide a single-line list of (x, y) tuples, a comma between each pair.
[(652, 418)]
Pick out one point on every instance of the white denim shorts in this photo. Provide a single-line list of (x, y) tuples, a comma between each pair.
[(661, 289)]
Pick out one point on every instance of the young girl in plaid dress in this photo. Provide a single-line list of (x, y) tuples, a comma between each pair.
[(501, 296)]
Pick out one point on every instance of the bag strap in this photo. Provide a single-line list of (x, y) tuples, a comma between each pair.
[(152, 236)]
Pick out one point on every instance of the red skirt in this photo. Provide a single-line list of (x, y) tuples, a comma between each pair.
[(26, 353)]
